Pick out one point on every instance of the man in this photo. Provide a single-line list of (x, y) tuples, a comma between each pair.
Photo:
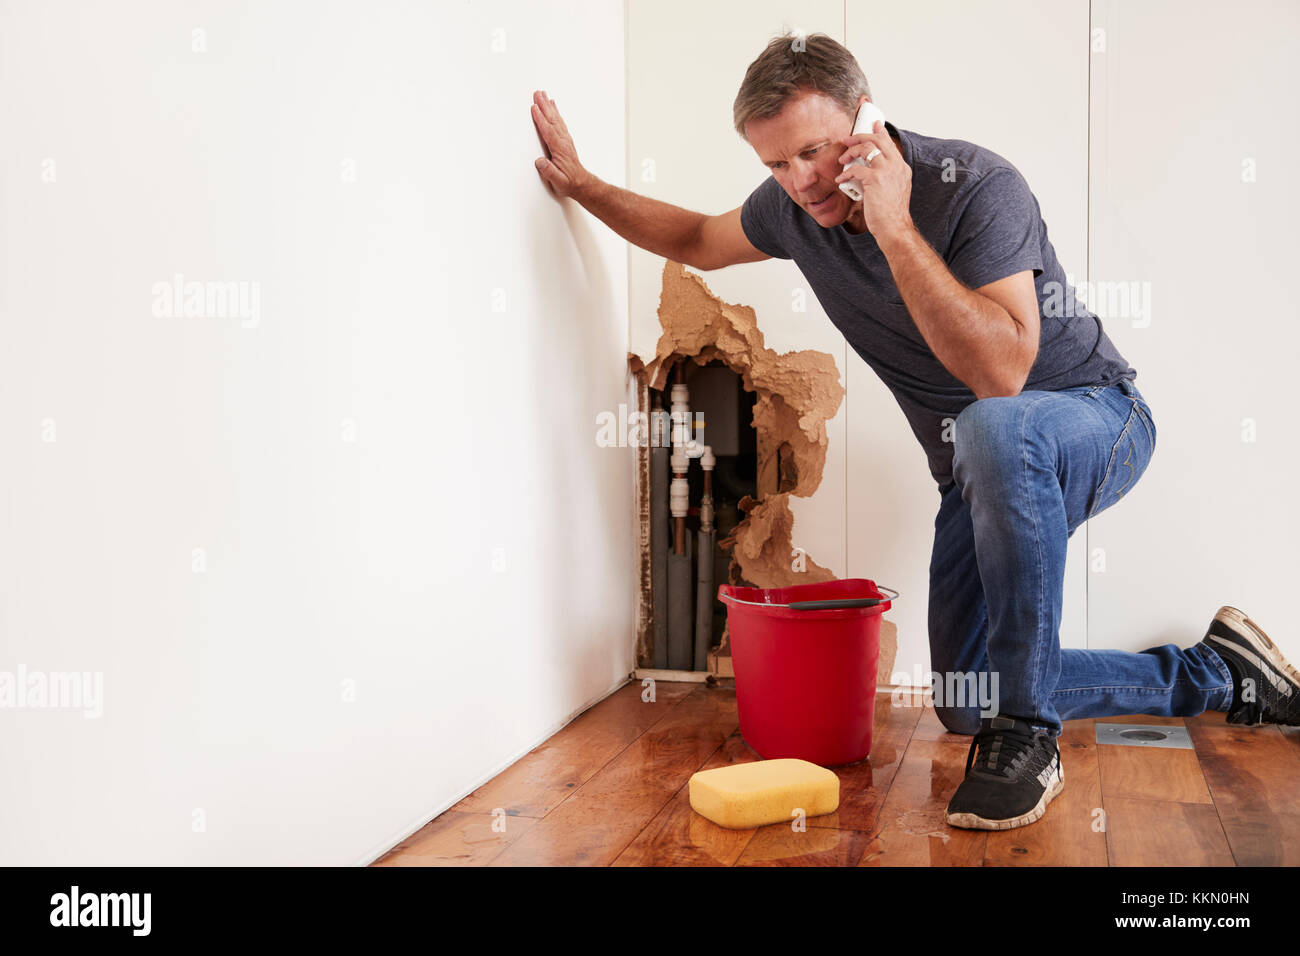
[(943, 279)]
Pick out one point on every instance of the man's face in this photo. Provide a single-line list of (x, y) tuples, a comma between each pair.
[(801, 145)]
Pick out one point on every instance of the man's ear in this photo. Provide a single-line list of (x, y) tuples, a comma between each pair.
[(862, 98)]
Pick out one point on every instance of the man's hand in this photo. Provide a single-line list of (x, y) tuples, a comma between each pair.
[(886, 184), (560, 168)]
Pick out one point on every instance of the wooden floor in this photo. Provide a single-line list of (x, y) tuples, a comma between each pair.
[(610, 790)]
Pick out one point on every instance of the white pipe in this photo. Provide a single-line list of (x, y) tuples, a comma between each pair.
[(678, 491), (683, 423)]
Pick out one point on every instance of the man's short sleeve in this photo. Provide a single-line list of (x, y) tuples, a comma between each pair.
[(761, 217), (996, 231)]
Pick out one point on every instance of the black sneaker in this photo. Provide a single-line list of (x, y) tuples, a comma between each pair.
[(1266, 686), (1011, 781)]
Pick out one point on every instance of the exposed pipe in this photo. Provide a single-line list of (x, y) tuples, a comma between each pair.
[(704, 564), (679, 493), (680, 623), (680, 590), (659, 527)]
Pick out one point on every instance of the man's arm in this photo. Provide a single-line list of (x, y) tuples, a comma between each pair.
[(723, 242), (987, 338), (658, 227), (691, 238)]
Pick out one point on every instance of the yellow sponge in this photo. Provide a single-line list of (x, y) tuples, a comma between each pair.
[(752, 794)]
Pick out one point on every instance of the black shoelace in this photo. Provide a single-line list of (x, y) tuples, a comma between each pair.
[(1000, 752)]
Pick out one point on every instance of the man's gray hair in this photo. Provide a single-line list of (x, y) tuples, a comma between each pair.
[(794, 62)]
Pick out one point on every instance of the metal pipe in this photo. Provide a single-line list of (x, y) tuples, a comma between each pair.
[(679, 609), (680, 578), (704, 568), (659, 436)]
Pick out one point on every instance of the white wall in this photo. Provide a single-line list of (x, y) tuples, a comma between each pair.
[(1208, 523), (1194, 199), (349, 460)]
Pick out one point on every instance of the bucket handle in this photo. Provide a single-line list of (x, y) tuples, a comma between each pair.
[(828, 605), (836, 603)]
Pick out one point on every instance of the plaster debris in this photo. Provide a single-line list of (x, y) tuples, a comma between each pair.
[(762, 547), (888, 651), (797, 394)]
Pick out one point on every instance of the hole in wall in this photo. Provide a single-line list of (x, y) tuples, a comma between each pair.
[(789, 397)]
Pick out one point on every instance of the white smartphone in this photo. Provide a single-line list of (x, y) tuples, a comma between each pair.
[(868, 114)]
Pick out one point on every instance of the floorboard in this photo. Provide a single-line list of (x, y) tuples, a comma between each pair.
[(611, 789)]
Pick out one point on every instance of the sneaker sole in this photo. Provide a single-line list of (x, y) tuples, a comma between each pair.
[(1254, 635), (973, 821)]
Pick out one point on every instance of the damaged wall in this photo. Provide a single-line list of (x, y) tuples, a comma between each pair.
[(798, 392), (414, 562)]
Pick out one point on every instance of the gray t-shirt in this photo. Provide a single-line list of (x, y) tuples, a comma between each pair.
[(977, 212)]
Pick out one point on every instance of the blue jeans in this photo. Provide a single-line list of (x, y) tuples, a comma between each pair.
[(1027, 471)]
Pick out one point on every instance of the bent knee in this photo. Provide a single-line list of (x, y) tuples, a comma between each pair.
[(959, 720), (981, 433), (986, 415)]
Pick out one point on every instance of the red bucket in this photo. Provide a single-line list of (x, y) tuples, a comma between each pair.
[(805, 660)]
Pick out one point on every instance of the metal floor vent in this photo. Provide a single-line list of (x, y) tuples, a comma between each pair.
[(1144, 735)]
